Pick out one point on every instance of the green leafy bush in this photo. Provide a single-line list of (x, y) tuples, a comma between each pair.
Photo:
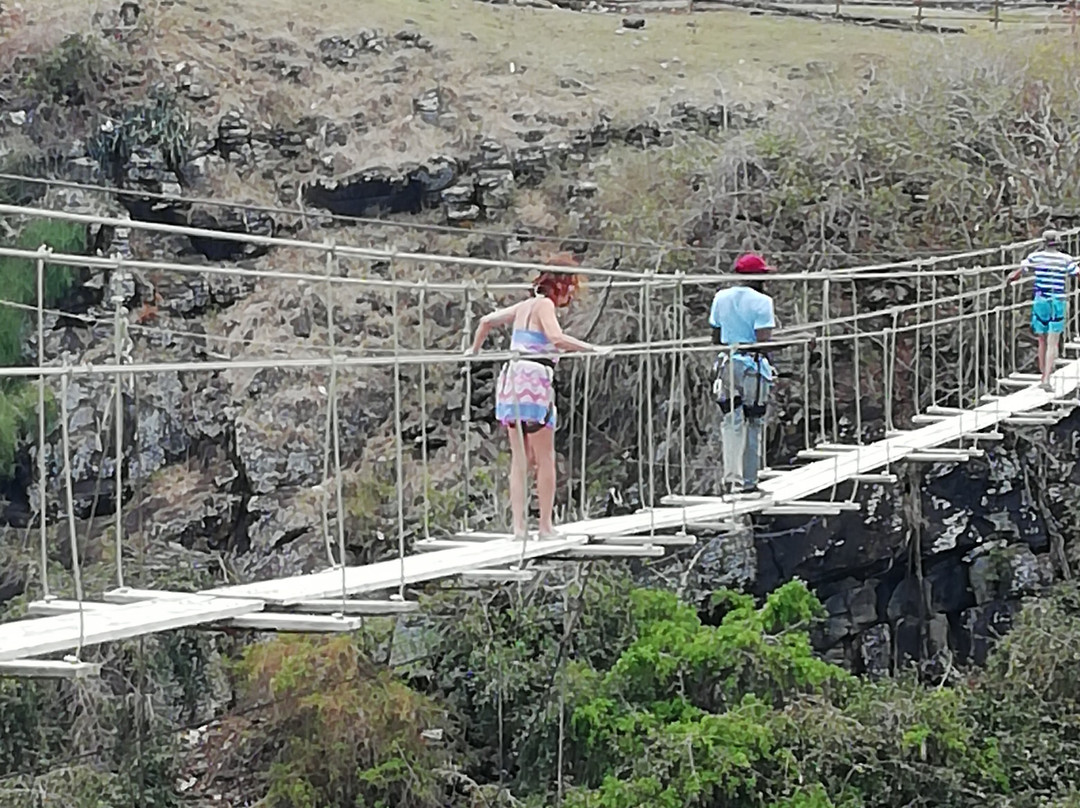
[(335, 730), (19, 288)]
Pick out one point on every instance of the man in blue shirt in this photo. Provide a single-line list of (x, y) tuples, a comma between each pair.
[(742, 315), (1052, 269)]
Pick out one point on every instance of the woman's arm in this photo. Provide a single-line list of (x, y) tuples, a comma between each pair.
[(489, 321), (549, 323)]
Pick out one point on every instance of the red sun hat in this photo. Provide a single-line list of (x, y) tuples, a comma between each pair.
[(752, 264)]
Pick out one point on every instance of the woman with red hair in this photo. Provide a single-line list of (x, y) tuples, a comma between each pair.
[(524, 394)]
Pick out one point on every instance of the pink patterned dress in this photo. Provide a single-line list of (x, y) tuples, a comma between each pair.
[(525, 391)]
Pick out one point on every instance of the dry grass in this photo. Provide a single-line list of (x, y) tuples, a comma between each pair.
[(493, 61)]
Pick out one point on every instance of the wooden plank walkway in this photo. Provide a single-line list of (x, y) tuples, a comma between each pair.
[(31, 638)]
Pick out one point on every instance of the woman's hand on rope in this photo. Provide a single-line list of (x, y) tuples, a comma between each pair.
[(602, 350)]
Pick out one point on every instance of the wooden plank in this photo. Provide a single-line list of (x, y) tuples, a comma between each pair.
[(613, 551), (664, 540), (49, 669), (47, 635), (55, 606), (358, 607), (940, 457), (498, 576), (874, 479), (294, 623), (812, 505), (927, 419), (129, 595), (388, 574), (264, 621)]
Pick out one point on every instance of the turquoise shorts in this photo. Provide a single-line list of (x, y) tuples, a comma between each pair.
[(1048, 315)]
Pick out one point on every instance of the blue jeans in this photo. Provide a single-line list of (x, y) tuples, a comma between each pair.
[(740, 430)]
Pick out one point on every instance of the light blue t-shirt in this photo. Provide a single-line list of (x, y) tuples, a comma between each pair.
[(739, 312)]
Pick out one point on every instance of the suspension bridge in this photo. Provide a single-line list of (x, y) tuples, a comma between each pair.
[(934, 412)]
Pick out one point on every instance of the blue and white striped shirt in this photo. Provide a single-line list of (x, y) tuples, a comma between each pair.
[(1052, 269)]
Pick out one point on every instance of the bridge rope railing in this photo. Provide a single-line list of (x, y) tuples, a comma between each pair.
[(983, 308)]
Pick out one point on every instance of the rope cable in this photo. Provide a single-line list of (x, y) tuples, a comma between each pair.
[(42, 479), (960, 369), (918, 347), (331, 262), (70, 497), (118, 422), (857, 364), (395, 313), (583, 506), (466, 407), (328, 432), (425, 470), (650, 436)]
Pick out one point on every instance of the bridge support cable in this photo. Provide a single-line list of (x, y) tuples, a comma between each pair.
[(328, 433), (917, 358), (118, 420), (43, 518), (339, 500), (683, 403), (650, 435), (583, 487), (76, 570), (399, 464), (425, 474), (466, 408)]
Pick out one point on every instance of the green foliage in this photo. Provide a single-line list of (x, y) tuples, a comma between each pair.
[(158, 122), (73, 73), (686, 715), (29, 727), (17, 400), (730, 707), (336, 730)]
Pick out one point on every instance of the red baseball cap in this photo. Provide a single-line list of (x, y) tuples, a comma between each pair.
[(751, 264)]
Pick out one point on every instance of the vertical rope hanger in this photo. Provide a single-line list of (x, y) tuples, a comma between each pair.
[(398, 448), (425, 471), (977, 315), (829, 354), (466, 407), (571, 419), (917, 374), (933, 339), (331, 264), (680, 304), (76, 569), (961, 371), (118, 419), (328, 432), (857, 363), (822, 371), (42, 482), (583, 505), (651, 430)]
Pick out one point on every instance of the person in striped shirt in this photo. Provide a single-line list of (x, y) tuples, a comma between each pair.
[(1052, 269)]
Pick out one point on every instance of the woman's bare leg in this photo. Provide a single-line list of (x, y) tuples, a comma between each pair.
[(519, 469), (542, 445)]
